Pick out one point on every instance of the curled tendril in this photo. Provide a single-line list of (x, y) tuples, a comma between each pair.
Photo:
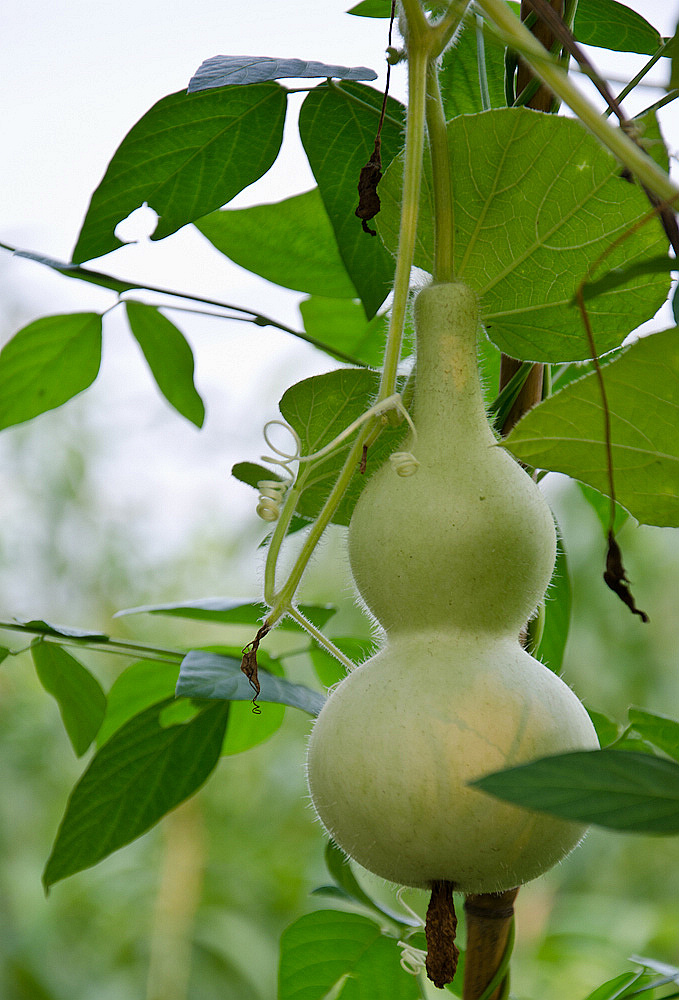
[(412, 960), (273, 491)]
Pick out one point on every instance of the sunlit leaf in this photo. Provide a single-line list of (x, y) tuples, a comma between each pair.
[(620, 790), (289, 242), (542, 203), (329, 949), (372, 8), (220, 71), (187, 156), (78, 693), (37, 625), (169, 357), (565, 432), (338, 125), (47, 363), (342, 324), (141, 773), (611, 25), (616, 988), (209, 675)]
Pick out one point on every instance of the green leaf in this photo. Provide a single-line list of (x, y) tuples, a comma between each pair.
[(74, 271), (47, 363), (37, 625), (608, 730), (459, 76), (542, 203), (552, 645), (330, 949), (4, 653), (328, 668), (187, 156), (657, 729), (209, 675), (342, 325), (372, 8), (140, 686), (611, 25), (169, 357), (141, 773), (340, 869), (320, 408), (226, 612), (629, 791), (616, 988), (222, 71), (78, 693), (565, 432), (601, 505), (289, 242), (337, 125)]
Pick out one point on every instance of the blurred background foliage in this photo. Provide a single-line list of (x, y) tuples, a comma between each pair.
[(196, 907)]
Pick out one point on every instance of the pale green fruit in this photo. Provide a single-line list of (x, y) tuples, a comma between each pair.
[(452, 561), (394, 748)]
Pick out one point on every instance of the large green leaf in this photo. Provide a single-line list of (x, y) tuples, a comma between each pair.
[(338, 124), (347, 951), (210, 675), (620, 790), (320, 408), (289, 242), (169, 357), (611, 25), (341, 323), (138, 687), (187, 156), (565, 433), (540, 203), (78, 693), (47, 363), (141, 773)]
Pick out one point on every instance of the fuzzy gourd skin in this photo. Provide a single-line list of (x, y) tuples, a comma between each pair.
[(452, 561)]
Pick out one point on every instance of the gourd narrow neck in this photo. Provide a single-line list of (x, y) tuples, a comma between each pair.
[(448, 404)]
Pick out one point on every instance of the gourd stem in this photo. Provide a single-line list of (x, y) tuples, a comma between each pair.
[(518, 37), (278, 536), (321, 639), (490, 923), (412, 178), (443, 191)]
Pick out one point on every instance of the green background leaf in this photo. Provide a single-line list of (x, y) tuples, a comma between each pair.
[(289, 242), (565, 432), (169, 357), (337, 125), (620, 790), (187, 156), (226, 612), (459, 76), (78, 693), (341, 324), (657, 729), (209, 675), (222, 71), (47, 363), (611, 25), (138, 687), (323, 948), (541, 204), (552, 645), (141, 773)]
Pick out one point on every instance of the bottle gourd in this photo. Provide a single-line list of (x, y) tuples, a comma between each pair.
[(452, 561)]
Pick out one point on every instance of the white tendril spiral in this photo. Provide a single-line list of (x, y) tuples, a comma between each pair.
[(413, 960), (273, 491)]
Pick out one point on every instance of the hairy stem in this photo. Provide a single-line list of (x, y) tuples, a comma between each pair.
[(443, 189)]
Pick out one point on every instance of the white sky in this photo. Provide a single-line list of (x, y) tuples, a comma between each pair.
[(74, 78)]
